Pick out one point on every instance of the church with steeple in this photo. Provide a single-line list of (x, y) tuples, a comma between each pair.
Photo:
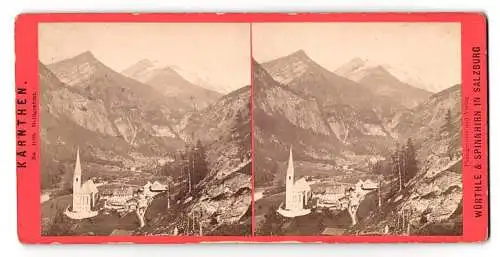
[(84, 195), (297, 193)]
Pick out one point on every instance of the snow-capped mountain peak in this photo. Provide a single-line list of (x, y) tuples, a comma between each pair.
[(202, 81), (358, 68), (142, 70), (145, 69), (411, 78)]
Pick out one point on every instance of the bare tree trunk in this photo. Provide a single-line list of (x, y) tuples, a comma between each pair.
[(352, 212), (193, 221), (140, 215), (200, 226), (404, 170), (346, 128), (403, 221), (379, 199), (380, 193), (408, 225), (189, 177), (168, 198), (194, 159), (400, 176), (397, 221)]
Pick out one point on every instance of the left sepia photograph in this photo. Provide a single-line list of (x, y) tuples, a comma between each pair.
[(145, 129)]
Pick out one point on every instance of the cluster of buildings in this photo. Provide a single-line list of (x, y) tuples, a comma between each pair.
[(86, 195), (300, 198), (336, 196)]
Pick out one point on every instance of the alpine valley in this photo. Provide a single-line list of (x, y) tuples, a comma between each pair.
[(349, 125), (144, 124)]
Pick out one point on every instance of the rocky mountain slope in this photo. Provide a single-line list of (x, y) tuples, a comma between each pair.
[(432, 200), (223, 198), (283, 118), (112, 117), (427, 122), (380, 81), (65, 125), (225, 130), (168, 81), (298, 102), (91, 78), (353, 113), (86, 103)]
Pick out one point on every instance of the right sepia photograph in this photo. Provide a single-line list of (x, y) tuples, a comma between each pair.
[(357, 129)]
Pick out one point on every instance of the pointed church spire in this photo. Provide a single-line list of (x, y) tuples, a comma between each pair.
[(289, 182), (78, 168), (77, 175), (290, 159)]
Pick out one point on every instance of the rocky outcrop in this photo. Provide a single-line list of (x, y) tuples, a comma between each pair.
[(89, 114), (302, 113), (431, 199), (351, 111), (100, 100), (431, 202), (105, 113), (223, 197)]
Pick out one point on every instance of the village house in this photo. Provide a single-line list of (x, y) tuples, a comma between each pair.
[(158, 187), (330, 195), (152, 189), (119, 198), (338, 196), (367, 185)]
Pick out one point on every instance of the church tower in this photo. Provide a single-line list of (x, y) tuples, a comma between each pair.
[(289, 182), (77, 182), (84, 194)]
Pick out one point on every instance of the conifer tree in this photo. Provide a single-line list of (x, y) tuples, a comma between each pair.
[(201, 166), (447, 128), (411, 160), (447, 125), (396, 167)]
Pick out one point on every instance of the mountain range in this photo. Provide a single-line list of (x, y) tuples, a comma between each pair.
[(381, 81), (353, 115), (341, 123), (86, 103), (168, 81), (115, 119), (358, 110)]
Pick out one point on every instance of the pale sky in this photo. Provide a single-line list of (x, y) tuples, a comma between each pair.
[(430, 51), (219, 52)]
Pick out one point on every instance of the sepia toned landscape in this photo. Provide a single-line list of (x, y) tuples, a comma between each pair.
[(357, 129), (173, 128), (145, 129)]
